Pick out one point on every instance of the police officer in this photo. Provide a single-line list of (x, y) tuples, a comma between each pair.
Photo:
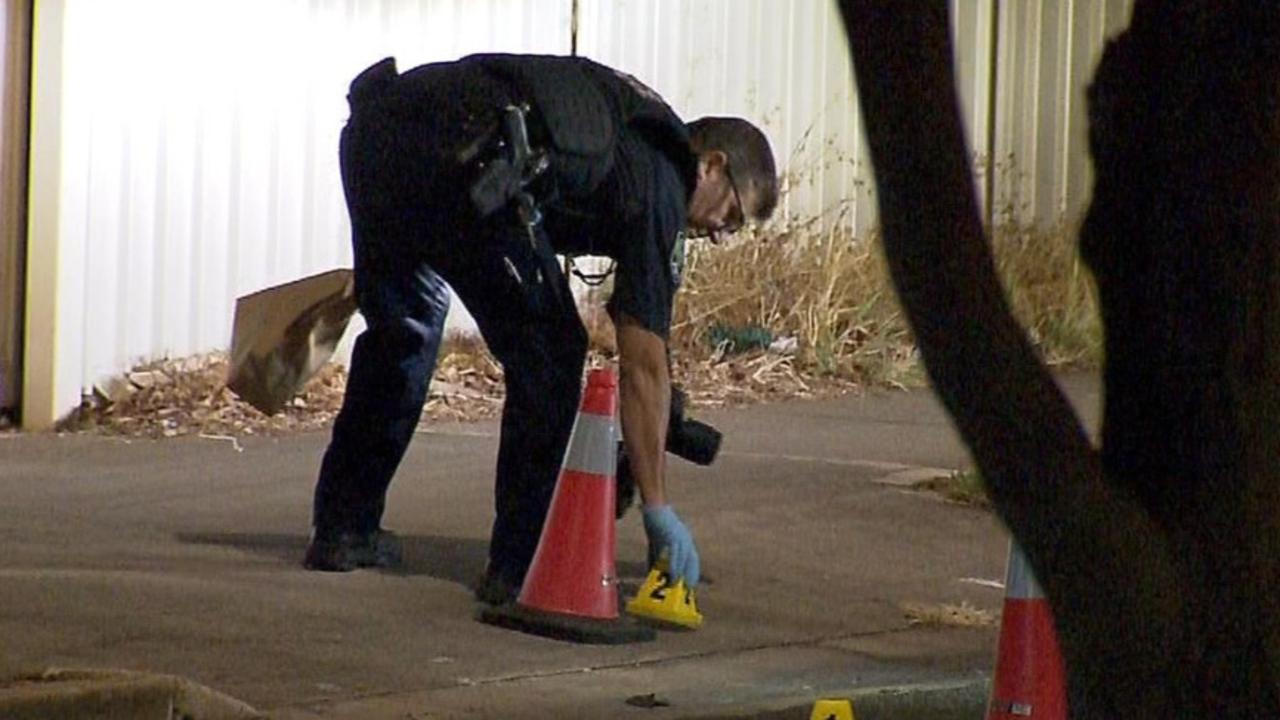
[(475, 173)]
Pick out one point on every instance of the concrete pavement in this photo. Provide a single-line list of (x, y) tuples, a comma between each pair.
[(182, 557)]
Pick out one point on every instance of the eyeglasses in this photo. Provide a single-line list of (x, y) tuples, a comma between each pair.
[(738, 216)]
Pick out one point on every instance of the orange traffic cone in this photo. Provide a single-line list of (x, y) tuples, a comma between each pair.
[(570, 591), (1029, 679)]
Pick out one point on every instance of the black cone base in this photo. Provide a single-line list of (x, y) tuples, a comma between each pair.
[(514, 616)]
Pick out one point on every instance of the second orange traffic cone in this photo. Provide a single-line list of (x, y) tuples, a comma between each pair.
[(1029, 679), (570, 591)]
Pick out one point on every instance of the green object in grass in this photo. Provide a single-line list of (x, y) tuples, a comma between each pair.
[(739, 339)]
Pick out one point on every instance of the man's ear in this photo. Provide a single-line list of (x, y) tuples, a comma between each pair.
[(711, 160)]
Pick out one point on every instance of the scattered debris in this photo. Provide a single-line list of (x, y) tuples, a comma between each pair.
[(649, 700), (753, 377), (189, 396), (947, 615), (235, 442), (996, 584), (144, 379), (175, 398), (787, 345), (732, 340)]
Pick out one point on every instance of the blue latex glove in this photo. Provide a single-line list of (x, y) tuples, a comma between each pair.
[(667, 535)]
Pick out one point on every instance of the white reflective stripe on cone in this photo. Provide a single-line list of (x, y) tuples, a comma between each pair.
[(1020, 582), (592, 446)]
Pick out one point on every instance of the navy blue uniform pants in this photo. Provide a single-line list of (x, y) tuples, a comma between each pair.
[(407, 245)]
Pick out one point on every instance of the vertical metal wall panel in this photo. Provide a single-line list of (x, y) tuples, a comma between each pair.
[(973, 38), (1046, 53), (1052, 92), (1015, 131), (199, 153), (1094, 22), (15, 53)]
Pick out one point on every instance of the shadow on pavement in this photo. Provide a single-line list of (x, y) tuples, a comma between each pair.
[(286, 548), (453, 559)]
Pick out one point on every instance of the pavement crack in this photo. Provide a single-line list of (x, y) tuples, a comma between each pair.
[(518, 677), (841, 462), (702, 655)]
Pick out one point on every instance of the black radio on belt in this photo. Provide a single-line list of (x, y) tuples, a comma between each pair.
[(509, 172)]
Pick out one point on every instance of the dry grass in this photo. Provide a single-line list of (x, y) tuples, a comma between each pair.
[(964, 487), (1051, 293), (832, 293), (827, 291)]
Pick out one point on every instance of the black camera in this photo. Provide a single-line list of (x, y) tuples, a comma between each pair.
[(690, 440)]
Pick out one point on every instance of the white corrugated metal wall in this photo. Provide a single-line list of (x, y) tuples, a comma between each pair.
[(194, 152), (197, 155), (1045, 55), (784, 63)]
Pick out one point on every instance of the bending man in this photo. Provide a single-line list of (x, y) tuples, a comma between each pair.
[(475, 173)]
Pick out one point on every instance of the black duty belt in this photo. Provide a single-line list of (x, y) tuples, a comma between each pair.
[(507, 166)]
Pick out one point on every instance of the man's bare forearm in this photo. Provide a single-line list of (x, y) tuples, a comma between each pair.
[(645, 400)]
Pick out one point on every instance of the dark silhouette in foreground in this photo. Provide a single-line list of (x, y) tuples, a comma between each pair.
[(1160, 550)]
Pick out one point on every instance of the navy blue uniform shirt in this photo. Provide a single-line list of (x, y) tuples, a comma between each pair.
[(637, 218)]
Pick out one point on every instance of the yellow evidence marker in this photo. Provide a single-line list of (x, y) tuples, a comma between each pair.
[(664, 603), (832, 709)]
